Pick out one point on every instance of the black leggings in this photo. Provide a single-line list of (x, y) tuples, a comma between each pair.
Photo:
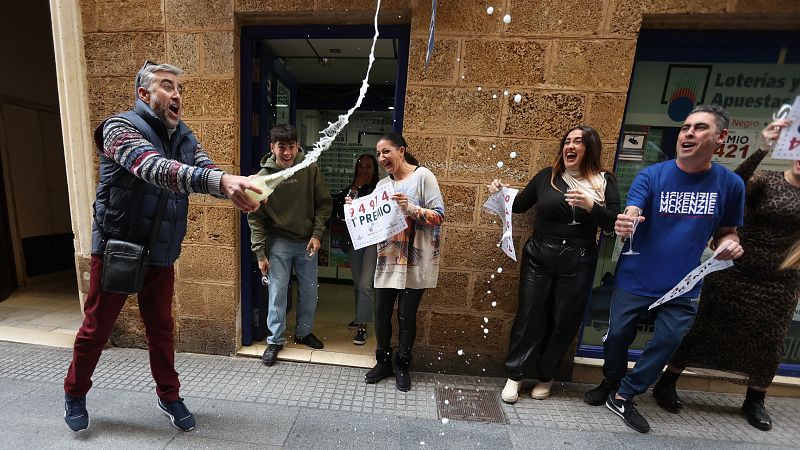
[(408, 301), (555, 280)]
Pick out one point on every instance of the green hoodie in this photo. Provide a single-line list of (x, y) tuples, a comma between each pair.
[(297, 210)]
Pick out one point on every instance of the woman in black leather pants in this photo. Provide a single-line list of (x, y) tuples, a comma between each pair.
[(558, 261)]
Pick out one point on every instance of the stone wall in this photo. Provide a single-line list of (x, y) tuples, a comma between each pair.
[(570, 60)]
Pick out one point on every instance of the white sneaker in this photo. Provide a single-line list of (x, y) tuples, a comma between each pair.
[(510, 392), (541, 390)]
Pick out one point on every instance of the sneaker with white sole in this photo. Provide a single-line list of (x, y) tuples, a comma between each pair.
[(626, 410), (510, 392), (361, 337), (541, 390), (178, 414), (75, 413)]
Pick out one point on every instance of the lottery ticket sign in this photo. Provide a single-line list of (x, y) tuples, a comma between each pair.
[(500, 203), (374, 218), (692, 278), (788, 146)]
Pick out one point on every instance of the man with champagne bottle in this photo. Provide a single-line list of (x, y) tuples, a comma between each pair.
[(287, 230), (149, 164)]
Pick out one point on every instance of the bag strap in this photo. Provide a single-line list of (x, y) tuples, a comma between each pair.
[(162, 206)]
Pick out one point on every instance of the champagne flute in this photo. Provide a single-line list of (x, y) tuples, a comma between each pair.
[(574, 222), (630, 239)]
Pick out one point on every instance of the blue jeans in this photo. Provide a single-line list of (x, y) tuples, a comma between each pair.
[(362, 264), (282, 254), (672, 320)]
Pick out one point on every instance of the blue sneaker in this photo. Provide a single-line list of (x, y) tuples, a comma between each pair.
[(75, 413), (178, 413)]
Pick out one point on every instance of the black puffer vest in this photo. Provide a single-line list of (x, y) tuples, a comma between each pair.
[(126, 205)]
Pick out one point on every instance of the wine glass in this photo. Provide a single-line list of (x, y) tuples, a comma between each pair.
[(574, 222), (630, 239)]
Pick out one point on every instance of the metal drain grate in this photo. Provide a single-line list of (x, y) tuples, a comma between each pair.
[(469, 404)]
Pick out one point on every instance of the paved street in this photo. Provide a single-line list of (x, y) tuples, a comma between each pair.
[(240, 403)]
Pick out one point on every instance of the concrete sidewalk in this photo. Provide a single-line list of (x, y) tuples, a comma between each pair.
[(240, 403)]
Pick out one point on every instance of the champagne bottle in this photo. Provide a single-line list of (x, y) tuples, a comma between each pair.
[(267, 184)]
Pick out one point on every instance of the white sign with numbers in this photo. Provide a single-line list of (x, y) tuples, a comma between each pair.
[(374, 218), (788, 146)]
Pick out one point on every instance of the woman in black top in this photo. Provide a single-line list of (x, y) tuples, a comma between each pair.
[(363, 260), (558, 261)]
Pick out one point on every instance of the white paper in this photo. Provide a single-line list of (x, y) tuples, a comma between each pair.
[(374, 218), (692, 278), (788, 145), (500, 203)]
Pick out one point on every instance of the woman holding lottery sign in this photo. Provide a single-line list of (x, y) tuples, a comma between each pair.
[(408, 262), (572, 199), (362, 261)]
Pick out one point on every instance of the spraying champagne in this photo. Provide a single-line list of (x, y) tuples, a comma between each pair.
[(267, 184)]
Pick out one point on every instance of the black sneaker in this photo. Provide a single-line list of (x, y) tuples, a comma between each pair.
[(309, 340), (667, 398), (598, 395), (352, 325), (271, 354), (626, 409), (178, 414), (75, 413), (361, 337)]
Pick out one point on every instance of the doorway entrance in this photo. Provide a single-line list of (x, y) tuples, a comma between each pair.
[(308, 76)]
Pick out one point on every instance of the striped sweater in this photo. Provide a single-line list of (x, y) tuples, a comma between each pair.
[(125, 144)]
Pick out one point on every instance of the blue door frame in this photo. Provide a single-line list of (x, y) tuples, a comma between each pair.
[(250, 49), (706, 46)]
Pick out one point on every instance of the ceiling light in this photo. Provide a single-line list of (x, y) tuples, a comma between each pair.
[(335, 50), (325, 62)]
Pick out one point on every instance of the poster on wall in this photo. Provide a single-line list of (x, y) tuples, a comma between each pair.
[(663, 93), (633, 140)]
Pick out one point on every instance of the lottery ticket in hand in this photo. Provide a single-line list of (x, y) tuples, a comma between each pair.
[(692, 278)]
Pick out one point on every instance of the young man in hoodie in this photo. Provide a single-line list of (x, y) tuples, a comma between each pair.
[(287, 229)]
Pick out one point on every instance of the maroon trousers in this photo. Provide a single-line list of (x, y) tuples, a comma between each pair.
[(101, 310)]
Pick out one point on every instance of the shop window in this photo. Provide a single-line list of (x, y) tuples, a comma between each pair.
[(750, 73)]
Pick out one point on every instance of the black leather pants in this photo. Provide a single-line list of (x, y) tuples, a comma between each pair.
[(555, 280)]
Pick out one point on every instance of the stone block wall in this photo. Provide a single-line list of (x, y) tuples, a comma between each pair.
[(199, 37), (570, 60)]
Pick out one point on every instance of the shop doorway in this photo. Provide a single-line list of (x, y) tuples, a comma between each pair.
[(308, 76), (39, 301)]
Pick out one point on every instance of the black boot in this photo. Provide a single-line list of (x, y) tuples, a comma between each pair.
[(383, 369), (665, 394), (402, 377), (755, 411)]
